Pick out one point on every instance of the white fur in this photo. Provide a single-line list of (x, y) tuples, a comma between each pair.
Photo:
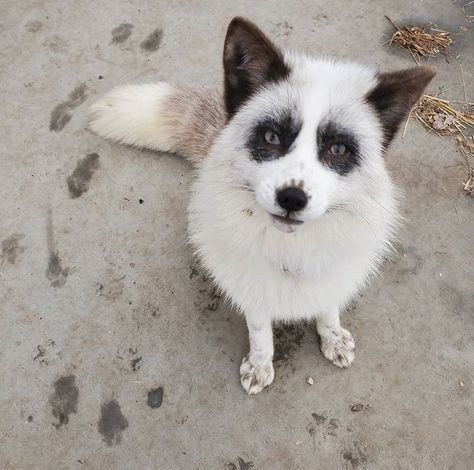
[(314, 271), (131, 115)]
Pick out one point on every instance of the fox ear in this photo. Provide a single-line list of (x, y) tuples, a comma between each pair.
[(395, 94), (250, 61)]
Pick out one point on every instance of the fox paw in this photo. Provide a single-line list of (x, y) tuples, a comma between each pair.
[(338, 347), (255, 378)]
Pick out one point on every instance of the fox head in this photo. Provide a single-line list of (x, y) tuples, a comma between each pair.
[(308, 135)]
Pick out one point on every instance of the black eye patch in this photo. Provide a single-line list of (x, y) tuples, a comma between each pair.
[(285, 125), (330, 137)]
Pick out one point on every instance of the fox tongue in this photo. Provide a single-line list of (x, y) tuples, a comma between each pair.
[(285, 224)]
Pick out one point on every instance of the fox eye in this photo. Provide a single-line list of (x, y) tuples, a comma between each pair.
[(338, 150), (272, 138)]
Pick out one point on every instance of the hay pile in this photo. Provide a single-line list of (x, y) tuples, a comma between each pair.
[(420, 42), (439, 116)]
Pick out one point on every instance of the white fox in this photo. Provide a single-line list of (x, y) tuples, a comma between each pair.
[(292, 209)]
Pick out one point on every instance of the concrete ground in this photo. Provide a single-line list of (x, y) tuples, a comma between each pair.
[(115, 351)]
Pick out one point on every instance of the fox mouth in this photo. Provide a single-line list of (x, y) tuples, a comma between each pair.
[(286, 223), (286, 219)]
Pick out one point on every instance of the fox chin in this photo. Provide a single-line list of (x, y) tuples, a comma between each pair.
[(292, 209)]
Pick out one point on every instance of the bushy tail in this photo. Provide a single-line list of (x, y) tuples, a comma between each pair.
[(162, 117)]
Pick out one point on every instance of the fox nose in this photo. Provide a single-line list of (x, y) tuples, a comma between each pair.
[(292, 199)]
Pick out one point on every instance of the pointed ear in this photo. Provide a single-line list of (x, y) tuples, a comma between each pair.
[(250, 61), (395, 94)]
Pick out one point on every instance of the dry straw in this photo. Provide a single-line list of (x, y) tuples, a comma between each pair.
[(439, 116), (420, 42)]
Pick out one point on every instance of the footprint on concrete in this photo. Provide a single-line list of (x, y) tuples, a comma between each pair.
[(62, 113), (34, 26), (121, 33), (112, 423), (78, 181), (55, 271), (64, 399), (356, 455), (153, 41), (11, 248), (240, 465)]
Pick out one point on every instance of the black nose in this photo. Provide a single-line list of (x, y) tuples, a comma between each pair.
[(292, 199)]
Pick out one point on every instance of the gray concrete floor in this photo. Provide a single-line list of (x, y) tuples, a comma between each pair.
[(101, 302)]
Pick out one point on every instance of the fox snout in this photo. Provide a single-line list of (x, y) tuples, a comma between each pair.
[(292, 199)]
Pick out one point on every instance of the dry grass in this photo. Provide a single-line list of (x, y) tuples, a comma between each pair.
[(466, 148), (420, 42), (439, 116)]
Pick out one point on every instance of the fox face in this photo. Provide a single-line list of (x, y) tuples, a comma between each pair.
[(308, 135)]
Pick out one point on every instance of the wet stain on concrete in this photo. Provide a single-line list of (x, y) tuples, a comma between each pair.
[(211, 295), (62, 113), (112, 287), (152, 310), (332, 426), (112, 423), (285, 28), (320, 429), (55, 272), (319, 419), (34, 26), (64, 399), (141, 315), (78, 181), (214, 299), (135, 363), (287, 338), (11, 248), (194, 269), (407, 265), (121, 33), (155, 398), (153, 41), (313, 428), (56, 44), (240, 465), (456, 302), (355, 456)]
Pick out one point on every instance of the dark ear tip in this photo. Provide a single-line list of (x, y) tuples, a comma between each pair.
[(427, 71), (238, 22)]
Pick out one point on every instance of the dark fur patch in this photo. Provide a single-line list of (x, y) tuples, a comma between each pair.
[(285, 125), (395, 94), (330, 134), (250, 61)]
